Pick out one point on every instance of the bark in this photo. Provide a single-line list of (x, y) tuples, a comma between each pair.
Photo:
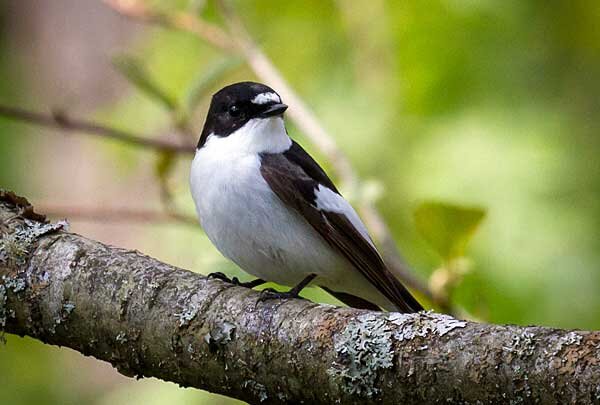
[(148, 318)]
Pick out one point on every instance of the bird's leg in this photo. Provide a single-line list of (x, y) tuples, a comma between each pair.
[(269, 293), (236, 281), (248, 284)]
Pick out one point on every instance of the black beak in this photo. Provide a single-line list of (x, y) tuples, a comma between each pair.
[(272, 110)]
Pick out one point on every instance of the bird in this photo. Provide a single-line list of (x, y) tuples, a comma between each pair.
[(269, 207)]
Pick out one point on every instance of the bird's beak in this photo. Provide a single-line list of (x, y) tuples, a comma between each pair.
[(273, 109)]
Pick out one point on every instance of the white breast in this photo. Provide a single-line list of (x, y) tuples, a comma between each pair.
[(246, 221)]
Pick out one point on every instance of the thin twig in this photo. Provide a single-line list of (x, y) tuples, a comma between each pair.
[(113, 214), (138, 10), (63, 121)]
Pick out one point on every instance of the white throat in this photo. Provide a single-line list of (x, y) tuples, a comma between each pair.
[(259, 135)]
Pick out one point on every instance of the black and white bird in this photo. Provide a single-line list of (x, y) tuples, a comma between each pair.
[(270, 208)]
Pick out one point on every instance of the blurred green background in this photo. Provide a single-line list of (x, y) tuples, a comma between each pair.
[(493, 104)]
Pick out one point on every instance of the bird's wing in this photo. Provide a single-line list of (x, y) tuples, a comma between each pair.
[(302, 185)]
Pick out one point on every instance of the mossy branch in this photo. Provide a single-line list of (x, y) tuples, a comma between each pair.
[(148, 318)]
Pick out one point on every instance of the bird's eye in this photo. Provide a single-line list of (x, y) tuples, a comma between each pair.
[(234, 110)]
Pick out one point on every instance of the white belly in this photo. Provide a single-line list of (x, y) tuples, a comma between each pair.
[(249, 225)]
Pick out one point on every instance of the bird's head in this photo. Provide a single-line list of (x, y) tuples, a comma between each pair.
[(239, 105)]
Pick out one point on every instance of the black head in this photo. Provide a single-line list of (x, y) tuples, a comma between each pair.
[(236, 104)]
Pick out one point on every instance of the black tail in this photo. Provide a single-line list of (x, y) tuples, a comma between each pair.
[(408, 303), (352, 300)]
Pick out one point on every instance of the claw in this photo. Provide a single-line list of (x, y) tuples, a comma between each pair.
[(235, 281), (271, 294), (221, 276)]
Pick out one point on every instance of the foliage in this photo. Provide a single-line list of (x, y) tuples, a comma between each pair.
[(448, 228)]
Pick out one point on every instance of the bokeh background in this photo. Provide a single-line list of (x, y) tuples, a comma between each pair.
[(490, 104)]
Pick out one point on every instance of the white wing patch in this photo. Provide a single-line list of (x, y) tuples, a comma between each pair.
[(329, 200), (264, 98)]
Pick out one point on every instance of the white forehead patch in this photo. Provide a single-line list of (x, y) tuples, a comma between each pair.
[(264, 98)]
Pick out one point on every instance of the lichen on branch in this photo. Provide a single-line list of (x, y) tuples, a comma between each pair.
[(148, 318)]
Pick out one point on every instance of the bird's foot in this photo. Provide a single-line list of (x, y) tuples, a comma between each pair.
[(235, 280), (220, 276), (272, 294)]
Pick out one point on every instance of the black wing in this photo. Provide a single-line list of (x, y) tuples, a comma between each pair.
[(294, 176)]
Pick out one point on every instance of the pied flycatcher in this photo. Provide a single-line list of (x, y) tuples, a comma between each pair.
[(270, 208)]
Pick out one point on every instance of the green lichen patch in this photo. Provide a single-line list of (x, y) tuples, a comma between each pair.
[(189, 311), (257, 388), (121, 338), (423, 324), (363, 349), (12, 252), (15, 247), (571, 338), (3, 309), (15, 284), (8, 284), (187, 315), (68, 307), (558, 345), (62, 316), (220, 335), (523, 344)]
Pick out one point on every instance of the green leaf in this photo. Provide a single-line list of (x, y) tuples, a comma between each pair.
[(133, 70), (207, 78), (446, 227)]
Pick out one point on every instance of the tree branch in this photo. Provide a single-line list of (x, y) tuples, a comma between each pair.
[(62, 121), (148, 318)]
